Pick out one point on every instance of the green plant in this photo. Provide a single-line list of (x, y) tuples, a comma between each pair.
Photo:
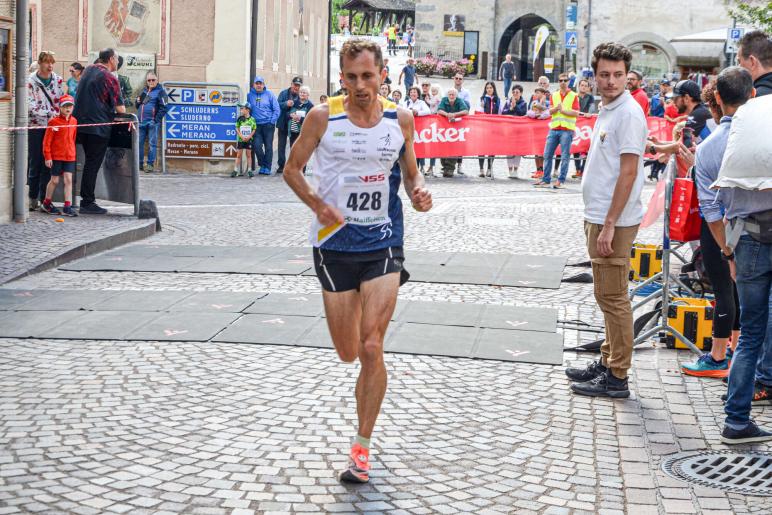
[(756, 14)]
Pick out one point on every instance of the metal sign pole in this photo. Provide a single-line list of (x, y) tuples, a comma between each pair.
[(664, 326), (163, 145)]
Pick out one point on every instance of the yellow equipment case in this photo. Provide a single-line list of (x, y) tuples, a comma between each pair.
[(692, 318), (645, 261)]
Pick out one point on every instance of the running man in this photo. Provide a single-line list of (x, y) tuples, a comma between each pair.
[(362, 144)]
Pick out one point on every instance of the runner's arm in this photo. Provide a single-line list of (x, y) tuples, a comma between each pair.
[(414, 181), (311, 134)]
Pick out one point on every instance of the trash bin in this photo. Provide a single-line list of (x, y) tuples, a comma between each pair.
[(118, 178)]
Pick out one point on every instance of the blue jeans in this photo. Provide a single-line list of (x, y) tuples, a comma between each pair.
[(555, 138), (507, 85), (754, 349), (148, 131), (262, 146)]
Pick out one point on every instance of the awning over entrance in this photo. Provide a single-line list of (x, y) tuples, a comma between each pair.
[(703, 49)]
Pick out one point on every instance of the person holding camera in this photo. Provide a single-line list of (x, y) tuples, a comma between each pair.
[(151, 109), (687, 98)]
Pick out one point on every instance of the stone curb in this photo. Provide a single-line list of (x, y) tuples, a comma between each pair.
[(148, 228)]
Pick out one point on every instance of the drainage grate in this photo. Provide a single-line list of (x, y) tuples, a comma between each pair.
[(743, 472)]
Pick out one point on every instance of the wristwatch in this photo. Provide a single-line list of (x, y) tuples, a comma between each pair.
[(729, 257)]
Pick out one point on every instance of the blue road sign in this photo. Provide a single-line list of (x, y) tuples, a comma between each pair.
[(571, 15), (188, 95), (195, 131), (736, 34), (202, 113), (571, 39)]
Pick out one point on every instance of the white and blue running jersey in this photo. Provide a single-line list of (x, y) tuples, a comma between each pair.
[(356, 171)]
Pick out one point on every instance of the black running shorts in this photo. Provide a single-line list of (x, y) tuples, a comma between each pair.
[(344, 271)]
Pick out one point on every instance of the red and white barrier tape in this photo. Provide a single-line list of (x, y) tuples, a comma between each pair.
[(11, 129)]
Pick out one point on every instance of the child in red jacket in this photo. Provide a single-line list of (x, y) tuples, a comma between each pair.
[(59, 154)]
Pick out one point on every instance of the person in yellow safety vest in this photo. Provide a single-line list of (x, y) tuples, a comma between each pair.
[(564, 110), (392, 36)]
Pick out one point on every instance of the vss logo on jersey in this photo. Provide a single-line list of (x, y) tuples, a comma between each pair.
[(372, 178)]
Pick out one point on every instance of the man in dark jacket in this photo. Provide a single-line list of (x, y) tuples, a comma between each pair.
[(287, 99), (755, 55), (151, 109), (99, 98)]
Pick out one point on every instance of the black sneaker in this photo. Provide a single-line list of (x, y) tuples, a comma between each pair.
[(51, 209), (588, 373), (604, 385), (92, 209), (34, 204), (750, 434), (69, 211)]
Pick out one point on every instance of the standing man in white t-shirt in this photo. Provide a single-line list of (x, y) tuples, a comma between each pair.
[(611, 187)]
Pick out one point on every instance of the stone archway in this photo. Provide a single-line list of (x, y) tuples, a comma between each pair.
[(518, 40), (652, 54)]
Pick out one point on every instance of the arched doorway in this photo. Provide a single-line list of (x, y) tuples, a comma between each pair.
[(650, 60), (518, 40)]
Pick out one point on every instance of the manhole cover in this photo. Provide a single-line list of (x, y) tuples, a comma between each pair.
[(743, 472)]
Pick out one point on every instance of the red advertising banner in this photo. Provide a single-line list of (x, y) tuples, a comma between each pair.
[(500, 135)]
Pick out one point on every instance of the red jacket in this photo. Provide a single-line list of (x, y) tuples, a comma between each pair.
[(59, 141)]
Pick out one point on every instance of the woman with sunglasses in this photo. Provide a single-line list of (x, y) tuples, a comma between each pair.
[(76, 70), (151, 109)]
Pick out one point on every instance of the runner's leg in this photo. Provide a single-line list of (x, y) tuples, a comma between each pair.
[(379, 297), (344, 313)]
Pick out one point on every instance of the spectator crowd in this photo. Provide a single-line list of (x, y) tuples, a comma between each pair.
[(699, 111)]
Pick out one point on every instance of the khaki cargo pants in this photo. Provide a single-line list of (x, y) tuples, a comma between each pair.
[(610, 277)]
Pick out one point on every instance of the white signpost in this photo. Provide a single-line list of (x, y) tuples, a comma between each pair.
[(733, 37)]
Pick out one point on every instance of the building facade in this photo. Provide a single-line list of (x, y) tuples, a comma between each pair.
[(7, 105), (512, 26), (190, 40)]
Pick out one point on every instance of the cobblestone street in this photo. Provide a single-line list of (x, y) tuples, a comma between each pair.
[(94, 427)]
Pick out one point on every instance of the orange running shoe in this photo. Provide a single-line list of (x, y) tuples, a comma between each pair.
[(538, 174), (358, 470)]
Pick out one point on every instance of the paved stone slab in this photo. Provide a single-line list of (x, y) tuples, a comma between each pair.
[(68, 300), (222, 265), (439, 267), (100, 325), (307, 305), (141, 251), (196, 327), (270, 329), (118, 263), (437, 340), (427, 258), (31, 324), (317, 336), (12, 299), (521, 346), (280, 267), (424, 273), (442, 313), (216, 302), (520, 318), (146, 300)]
